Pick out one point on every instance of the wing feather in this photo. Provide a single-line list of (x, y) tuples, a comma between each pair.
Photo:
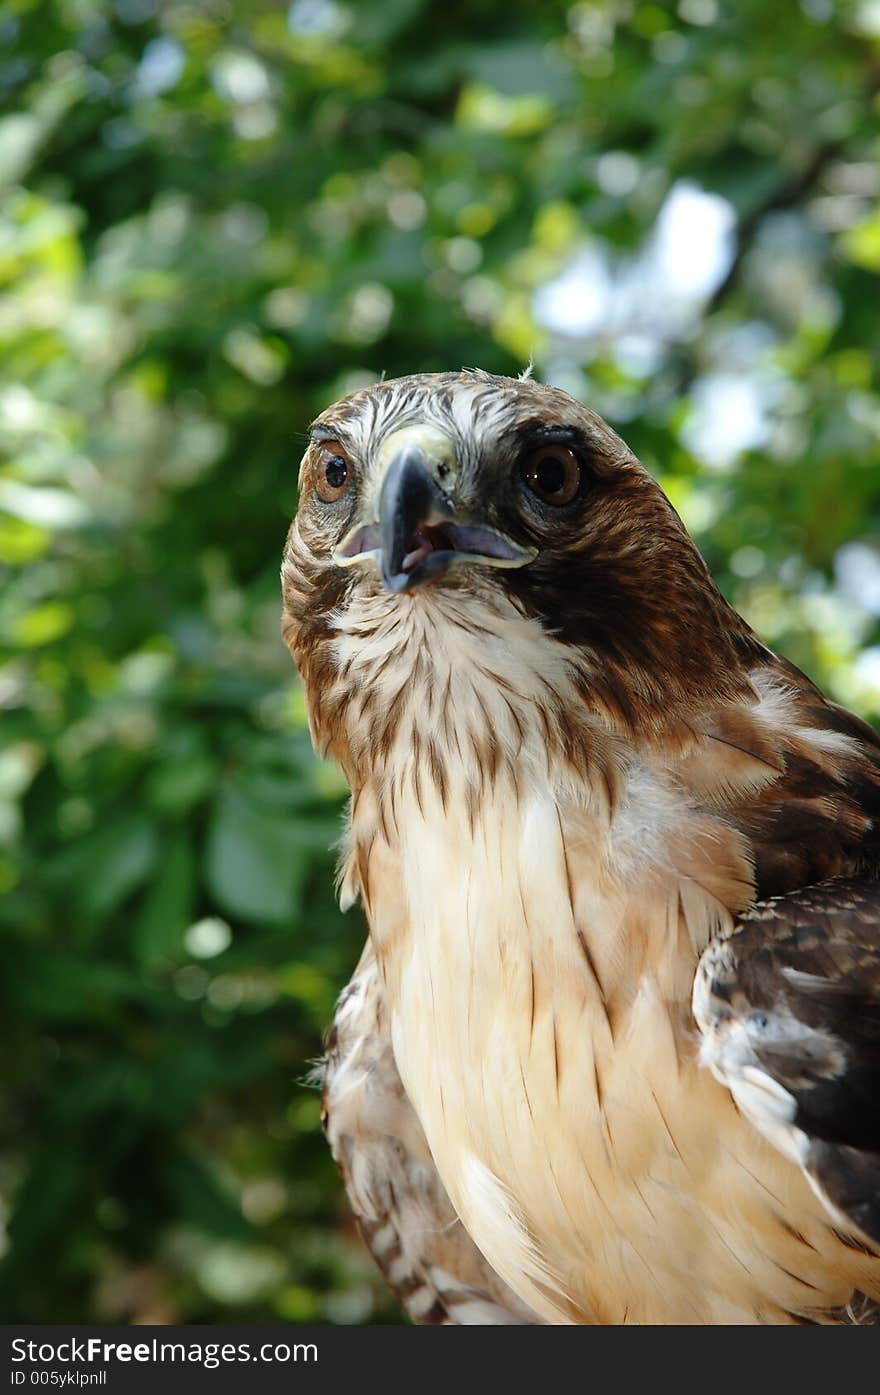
[(789, 1008)]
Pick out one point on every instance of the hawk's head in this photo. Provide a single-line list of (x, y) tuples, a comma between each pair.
[(476, 499)]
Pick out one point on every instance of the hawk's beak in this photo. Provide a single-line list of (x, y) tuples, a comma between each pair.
[(418, 534), (411, 503)]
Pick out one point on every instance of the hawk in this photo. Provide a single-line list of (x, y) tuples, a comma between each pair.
[(612, 1051)]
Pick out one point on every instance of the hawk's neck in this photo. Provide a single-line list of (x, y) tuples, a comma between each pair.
[(465, 722)]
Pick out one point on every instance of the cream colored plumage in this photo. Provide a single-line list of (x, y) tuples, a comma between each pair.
[(557, 805)]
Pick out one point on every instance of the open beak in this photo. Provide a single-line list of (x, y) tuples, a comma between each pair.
[(418, 535)]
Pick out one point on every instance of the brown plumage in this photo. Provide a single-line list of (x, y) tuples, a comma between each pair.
[(586, 1070)]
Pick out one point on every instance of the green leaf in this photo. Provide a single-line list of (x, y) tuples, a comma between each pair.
[(49, 1199), (201, 1201), (177, 787), (63, 987), (116, 861), (862, 243), (168, 906), (253, 865)]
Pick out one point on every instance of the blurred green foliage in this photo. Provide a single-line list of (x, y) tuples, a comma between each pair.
[(217, 216)]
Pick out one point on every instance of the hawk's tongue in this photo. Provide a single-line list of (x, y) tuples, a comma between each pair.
[(421, 544)]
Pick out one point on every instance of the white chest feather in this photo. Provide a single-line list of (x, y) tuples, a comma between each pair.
[(603, 1174)]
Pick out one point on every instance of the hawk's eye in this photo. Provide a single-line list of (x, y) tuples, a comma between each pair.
[(332, 473), (553, 473)]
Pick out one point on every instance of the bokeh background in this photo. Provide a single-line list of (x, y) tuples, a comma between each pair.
[(216, 218)]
